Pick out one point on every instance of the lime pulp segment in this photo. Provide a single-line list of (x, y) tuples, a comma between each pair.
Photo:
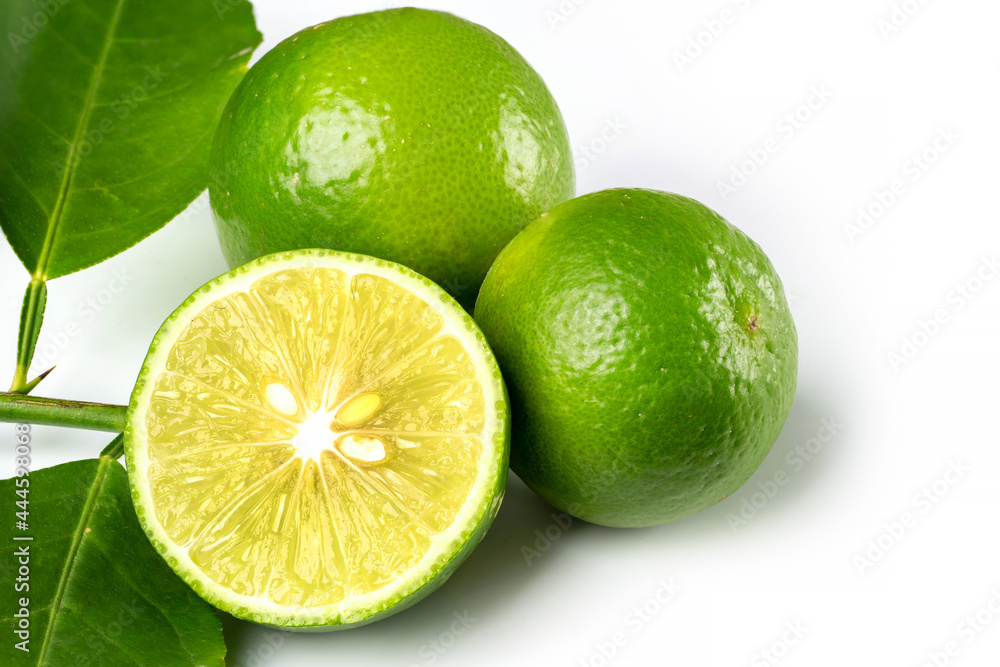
[(315, 437)]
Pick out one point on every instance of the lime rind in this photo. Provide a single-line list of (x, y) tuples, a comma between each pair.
[(649, 315)]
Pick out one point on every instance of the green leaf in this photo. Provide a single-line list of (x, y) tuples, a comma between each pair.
[(32, 312), (99, 593), (107, 110)]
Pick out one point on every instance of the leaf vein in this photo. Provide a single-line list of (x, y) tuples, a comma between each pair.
[(71, 159), (162, 167), (72, 47), (74, 550), (126, 575), (27, 189), (45, 125), (121, 649)]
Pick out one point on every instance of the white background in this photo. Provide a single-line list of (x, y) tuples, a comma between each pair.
[(857, 298)]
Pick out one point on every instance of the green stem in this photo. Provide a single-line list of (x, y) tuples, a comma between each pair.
[(56, 412), (32, 311), (116, 448)]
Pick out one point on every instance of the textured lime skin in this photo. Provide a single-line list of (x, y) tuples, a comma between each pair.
[(649, 354), (406, 134)]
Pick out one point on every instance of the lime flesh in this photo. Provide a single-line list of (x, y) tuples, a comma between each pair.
[(317, 439)]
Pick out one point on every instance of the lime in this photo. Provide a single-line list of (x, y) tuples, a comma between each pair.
[(317, 439), (405, 134), (649, 354)]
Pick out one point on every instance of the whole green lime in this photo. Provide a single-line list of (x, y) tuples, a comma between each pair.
[(649, 354), (409, 135)]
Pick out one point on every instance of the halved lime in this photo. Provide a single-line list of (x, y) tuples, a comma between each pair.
[(317, 439)]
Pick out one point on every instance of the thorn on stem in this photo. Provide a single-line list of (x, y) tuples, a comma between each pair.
[(34, 383)]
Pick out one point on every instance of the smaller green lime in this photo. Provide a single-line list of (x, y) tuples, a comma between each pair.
[(649, 354)]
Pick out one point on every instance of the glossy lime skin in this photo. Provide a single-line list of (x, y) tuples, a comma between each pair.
[(649, 354), (409, 135)]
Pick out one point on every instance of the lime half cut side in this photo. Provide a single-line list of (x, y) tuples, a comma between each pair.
[(317, 439)]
